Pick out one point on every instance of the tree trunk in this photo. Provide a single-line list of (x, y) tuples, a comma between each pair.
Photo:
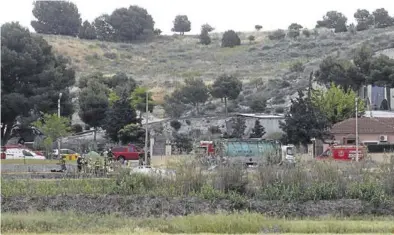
[(5, 133), (198, 108), (225, 105), (94, 138)]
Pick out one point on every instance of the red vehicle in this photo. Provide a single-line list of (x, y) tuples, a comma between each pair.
[(208, 147), (3, 152), (342, 153), (130, 152)]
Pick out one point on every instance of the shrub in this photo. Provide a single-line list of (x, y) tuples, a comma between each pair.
[(87, 127), (279, 110), (251, 38), (76, 128), (297, 67), (110, 55), (214, 130), (205, 39), (277, 35), (157, 31), (188, 122), (293, 33), (306, 33), (230, 39), (258, 27), (176, 124)]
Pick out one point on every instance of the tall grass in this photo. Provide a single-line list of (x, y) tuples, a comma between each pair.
[(313, 181), (71, 222)]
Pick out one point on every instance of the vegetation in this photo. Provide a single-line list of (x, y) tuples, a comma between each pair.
[(333, 20), (226, 87), (230, 39), (258, 130), (182, 24), (220, 223)]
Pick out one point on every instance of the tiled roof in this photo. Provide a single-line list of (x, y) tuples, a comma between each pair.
[(366, 125)]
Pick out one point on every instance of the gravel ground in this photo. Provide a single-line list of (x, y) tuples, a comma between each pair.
[(140, 206)]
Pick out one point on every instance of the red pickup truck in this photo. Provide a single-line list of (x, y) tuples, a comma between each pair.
[(130, 152)]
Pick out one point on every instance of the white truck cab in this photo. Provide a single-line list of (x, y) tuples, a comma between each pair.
[(22, 153), (288, 153)]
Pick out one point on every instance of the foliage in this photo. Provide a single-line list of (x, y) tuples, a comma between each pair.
[(124, 24), (238, 126), (205, 39), (53, 127), (382, 18), (294, 30), (258, 27), (120, 114), (183, 142), (382, 71), (303, 122), (364, 19), (295, 26), (207, 27), (230, 39), (87, 31), (258, 104), (277, 35), (194, 92), (226, 87), (138, 100), (279, 110), (157, 31), (297, 66), (258, 130), (306, 33), (173, 106), (132, 133), (182, 24), (31, 77), (251, 38), (333, 20), (56, 17), (336, 104), (93, 103), (121, 83), (175, 124), (76, 128)]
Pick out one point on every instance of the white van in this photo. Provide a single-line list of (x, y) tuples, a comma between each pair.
[(22, 153)]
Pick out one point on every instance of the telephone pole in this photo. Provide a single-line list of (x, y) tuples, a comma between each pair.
[(58, 115), (357, 157), (146, 130)]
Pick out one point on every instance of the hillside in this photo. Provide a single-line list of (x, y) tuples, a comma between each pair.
[(165, 61)]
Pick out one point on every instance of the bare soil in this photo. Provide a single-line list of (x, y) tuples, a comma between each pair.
[(140, 206)]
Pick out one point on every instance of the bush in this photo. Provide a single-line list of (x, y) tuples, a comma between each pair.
[(306, 33), (176, 124), (293, 33), (110, 55), (87, 127), (205, 39), (277, 35), (251, 38), (76, 128), (297, 67), (230, 39), (157, 32)]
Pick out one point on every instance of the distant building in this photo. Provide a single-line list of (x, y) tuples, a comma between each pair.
[(377, 98)]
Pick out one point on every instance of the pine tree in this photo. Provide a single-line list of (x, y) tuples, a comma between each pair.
[(258, 130)]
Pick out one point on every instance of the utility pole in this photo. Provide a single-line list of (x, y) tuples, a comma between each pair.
[(146, 129), (357, 157), (58, 115)]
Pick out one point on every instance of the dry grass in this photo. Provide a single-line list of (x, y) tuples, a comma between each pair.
[(236, 223)]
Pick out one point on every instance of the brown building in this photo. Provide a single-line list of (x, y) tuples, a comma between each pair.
[(371, 130)]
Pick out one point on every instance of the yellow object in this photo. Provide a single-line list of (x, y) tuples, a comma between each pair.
[(71, 157)]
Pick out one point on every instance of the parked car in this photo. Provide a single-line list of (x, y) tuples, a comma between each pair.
[(20, 152), (68, 153), (129, 153)]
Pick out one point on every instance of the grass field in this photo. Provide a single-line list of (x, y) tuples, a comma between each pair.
[(241, 223)]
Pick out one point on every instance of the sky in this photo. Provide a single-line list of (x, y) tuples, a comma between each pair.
[(221, 14)]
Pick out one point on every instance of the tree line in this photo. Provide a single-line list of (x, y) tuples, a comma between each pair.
[(132, 23)]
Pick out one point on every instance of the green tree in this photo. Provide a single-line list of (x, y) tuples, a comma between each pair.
[(295, 26), (364, 19), (333, 20), (382, 71), (306, 33), (53, 127), (303, 122), (277, 35), (93, 103), (230, 39), (238, 126), (120, 114), (205, 39), (182, 24), (132, 133), (194, 92), (362, 58), (336, 103), (382, 18), (104, 30), (226, 87), (294, 30), (258, 27), (173, 105), (31, 77), (157, 32), (258, 130), (258, 104), (251, 38), (87, 31), (138, 100), (207, 28), (56, 17)]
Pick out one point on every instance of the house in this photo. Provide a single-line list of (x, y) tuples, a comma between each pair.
[(373, 130)]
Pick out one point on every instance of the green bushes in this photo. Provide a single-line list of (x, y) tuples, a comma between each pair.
[(304, 182)]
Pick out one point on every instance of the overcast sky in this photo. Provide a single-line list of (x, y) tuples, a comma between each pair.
[(239, 15)]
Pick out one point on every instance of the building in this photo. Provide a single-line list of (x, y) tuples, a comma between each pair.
[(373, 130), (377, 98)]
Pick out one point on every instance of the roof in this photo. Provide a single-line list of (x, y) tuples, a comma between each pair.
[(379, 114), (261, 116), (366, 125)]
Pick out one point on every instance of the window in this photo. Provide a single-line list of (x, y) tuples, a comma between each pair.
[(26, 153), (289, 151), (351, 141)]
